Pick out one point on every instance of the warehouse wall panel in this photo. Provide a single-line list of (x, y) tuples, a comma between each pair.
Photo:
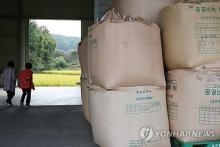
[(9, 7), (8, 45), (4, 58), (9, 41), (58, 9), (8, 27)]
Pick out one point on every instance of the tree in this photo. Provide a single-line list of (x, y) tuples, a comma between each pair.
[(60, 62), (41, 47)]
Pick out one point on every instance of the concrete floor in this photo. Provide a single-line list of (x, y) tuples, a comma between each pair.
[(45, 126), (49, 96)]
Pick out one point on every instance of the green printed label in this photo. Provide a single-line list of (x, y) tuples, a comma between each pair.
[(207, 36), (145, 91), (136, 143), (143, 98), (214, 101), (143, 107), (207, 9), (142, 95), (172, 85), (210, 18), (212, 92)]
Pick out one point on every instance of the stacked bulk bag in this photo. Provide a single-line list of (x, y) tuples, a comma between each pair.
[(118, 116), (83, 57), (82, 51), (125, 53), (127, 84), (190, 33), (194, 101), (85, 98), (147, 9), (191, 47)]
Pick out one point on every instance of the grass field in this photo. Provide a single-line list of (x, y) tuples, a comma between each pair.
[(57, 78), (62, 72)]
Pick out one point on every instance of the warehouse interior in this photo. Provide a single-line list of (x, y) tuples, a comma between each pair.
[(47, 125), (150, 74), (15, 15)]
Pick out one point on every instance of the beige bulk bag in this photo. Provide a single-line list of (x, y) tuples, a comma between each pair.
[(190, 34), (194, 102), (118, 117), (125, 53), (85, 98), (147, 9), (83, 57)]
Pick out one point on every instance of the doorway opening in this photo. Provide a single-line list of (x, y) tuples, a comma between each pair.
[(53, 51)]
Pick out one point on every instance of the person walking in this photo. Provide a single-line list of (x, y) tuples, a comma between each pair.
[(9, 82), (26, 84)]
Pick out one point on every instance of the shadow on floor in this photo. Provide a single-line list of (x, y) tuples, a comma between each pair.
[(45, 126)]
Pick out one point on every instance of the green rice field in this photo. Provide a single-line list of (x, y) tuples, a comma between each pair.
[(57, 78)]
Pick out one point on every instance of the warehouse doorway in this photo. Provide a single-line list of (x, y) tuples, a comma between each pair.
[(51, 46)]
